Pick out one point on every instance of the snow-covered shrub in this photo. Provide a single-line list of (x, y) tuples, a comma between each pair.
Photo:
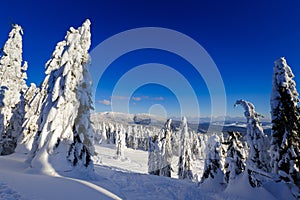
[(235, 156)]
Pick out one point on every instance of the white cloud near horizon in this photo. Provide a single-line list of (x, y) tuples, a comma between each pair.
[(105, 102), (137, 98)]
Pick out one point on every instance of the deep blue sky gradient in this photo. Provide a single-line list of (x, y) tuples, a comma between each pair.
[(242, 37)]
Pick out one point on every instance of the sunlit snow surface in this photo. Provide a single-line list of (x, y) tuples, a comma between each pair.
[(118, 179)]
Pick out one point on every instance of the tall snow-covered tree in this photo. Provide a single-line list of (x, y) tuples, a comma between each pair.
[(214, 161), (185, 156), (120, 142), (160, 151), (64, 140), (236, 156), (12, 77), (285, 142), (154, 155), (103, 133), (166, 150), (36, 98), (258, 156), (30, 126), (135, 139)]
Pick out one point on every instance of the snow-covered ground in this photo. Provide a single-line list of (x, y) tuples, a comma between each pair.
[(117, 179), (136, 161)]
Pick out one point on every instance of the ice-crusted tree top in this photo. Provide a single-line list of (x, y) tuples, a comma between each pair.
[(13, 46), (168, 124), (74, 38), (166, 129), (249, 109), (73, 49), (283, 80), (254, 128), (74, 54), (184, 127), (12, 56)]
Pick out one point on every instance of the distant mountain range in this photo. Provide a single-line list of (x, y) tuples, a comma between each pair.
[(214, 124)]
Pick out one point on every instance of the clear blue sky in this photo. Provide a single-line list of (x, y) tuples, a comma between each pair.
[(242, 37)]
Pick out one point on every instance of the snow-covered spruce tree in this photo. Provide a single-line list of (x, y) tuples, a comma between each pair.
[(129, 137), (64, 140), (113, 133), (214, 162), (120, 142), (196, 145), (103, 133), (144, 138), (185, 156), (12, 77), (203, 138), (135, 137), (37, 97), (166, 150), (258, 156), (236, 156), (108, 128), (154, 156), (285, 142), (29, 126), (175, 141)]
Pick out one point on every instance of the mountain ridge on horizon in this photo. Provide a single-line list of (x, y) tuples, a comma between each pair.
[(203, 119)]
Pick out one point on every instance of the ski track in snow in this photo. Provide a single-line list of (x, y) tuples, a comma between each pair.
[(7, 193)]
